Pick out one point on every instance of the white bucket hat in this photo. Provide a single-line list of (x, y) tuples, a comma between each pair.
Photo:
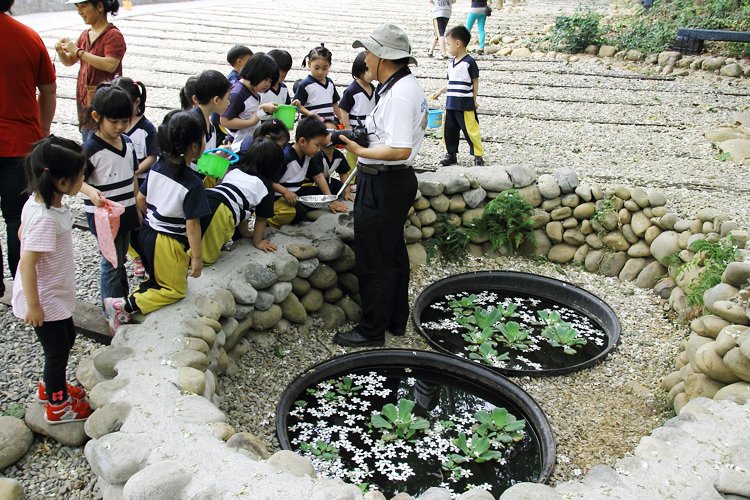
[(388, 41), (75, 1)]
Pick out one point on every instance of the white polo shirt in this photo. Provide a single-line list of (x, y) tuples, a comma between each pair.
[(399, 118)]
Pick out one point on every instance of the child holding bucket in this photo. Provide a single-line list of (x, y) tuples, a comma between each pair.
[(461, 104), (211, 95), (316, 95), (278, 93), (246, 188), (113, 161), (256, 77), (174, 201)]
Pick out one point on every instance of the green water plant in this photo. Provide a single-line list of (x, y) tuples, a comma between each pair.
[(321, 449), (549, 317), (500, 425), (563, 335), (514, 336), (463, 305), (508, 311), (346, 387), (398, 422), (487, 353)]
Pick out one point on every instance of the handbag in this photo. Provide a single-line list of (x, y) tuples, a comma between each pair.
[(488, 11)]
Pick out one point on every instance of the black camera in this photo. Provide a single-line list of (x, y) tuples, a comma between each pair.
[(357, 134)]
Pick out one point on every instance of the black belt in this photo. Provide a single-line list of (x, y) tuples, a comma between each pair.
[(377, 168)]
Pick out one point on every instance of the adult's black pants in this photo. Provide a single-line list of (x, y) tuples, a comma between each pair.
[(12, 199), (380, 211), (57, 339)]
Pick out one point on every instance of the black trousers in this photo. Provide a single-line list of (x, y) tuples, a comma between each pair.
[(57, 338), (12, 199), (380, 211)]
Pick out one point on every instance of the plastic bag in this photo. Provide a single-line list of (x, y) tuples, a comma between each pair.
[(107, 221)]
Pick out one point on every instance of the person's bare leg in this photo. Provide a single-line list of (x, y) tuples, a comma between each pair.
[(435, 39), (442, 47)]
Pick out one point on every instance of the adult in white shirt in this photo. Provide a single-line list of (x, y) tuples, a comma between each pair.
[(386, 187)]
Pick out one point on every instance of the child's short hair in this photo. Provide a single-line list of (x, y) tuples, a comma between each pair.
[(136, 91), (112, 102), (359, 67), (282, 57), (274, 129), (258, 68), (460, 33), (265, 158), (187, 92), (52, 159), (210, 84), (177, 132), (319, 52), (310, 128), (236, 52)]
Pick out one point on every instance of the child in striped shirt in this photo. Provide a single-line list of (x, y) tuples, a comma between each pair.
[(316, 95)]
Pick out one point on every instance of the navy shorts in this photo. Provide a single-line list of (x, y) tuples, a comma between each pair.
[(441, 23)]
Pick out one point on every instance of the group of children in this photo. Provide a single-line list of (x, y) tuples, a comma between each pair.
[(175, 219)]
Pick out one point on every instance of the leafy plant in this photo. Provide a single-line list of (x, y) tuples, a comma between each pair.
[(575, 32), (715, 258), (476, 337), (486, 353), (600, 214), (321, 449), (499, 425), (486, 318), (464, 304), (563, 335), (509, 310), (506, 221), (346, 387), (549, 317), (477, 449), (513, 336), (398, 423), (449, 242)]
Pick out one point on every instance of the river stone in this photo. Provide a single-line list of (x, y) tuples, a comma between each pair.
[(531, 195), (678, 301), (302, 252), (567, 179), (225, 299), (476, 494), (106, 361), (222, 430), (550, 205), (307, 267), (335, 489), (616, 241), (313, 301), (738, 363), (412, 234), (468, 217), (263, 320), (584, 211), (191, 358), (440, 203), (427, 216), (474, 197), (584, 192), (107, 419), (612, 263), (664, 287), (651, 234), (561, 213), (324, 277), (520, 175), (332, 295), (650, 275), (555, 231), (191, 380), (285, 266), (117, 456), (574, 237), (345, 261), (430, 188), (562, 253), (329, 249), (196, 329), (548, 186), (656, 199), (421, 203), (292, 310), (594, 241), (300, 286), (349, 283), (87, 374), (103, 393), (739, 392), (417, 254), (632, 268), (639, 196), (710, 364), (593, 258), (457, 204), (639, 249), (194, 409), (10, 489), (699, 385), (291, 463), (15, 440), (351, 309), (243, 292), (249, 445), (259, 275), (165, 479), (196, 344), (570, 200), (537, 246), (666, 244), (427, 233), (736, 274), (280, 291), (332, 316), (733, 70), (640, 223), (741, 237), (539, 218), (264, 301), (730, 311), (722, 291)]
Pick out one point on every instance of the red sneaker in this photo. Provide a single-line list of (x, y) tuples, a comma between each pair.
[(72, 410), (138, 270), (73, 391), (114, 309)]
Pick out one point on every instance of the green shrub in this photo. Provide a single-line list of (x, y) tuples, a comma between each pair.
[(575, 32), (448, 243), (506, 221)]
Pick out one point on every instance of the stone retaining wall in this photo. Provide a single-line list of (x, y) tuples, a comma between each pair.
[(158, 431)]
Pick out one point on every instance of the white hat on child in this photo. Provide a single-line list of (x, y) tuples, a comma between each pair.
[(388, 41), (75, 1)]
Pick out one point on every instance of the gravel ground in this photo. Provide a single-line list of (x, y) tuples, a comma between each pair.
[(608, 123)]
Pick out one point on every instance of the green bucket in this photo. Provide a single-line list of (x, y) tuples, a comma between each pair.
[(216, 165), (286, 114)]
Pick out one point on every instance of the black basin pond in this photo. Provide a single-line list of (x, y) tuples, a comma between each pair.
[(404, 421), (516, 323)]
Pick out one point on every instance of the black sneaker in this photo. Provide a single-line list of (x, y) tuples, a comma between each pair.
[(478, 161), (449, 160)]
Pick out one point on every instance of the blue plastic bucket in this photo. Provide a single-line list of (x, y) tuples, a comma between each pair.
[(434, 118)]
